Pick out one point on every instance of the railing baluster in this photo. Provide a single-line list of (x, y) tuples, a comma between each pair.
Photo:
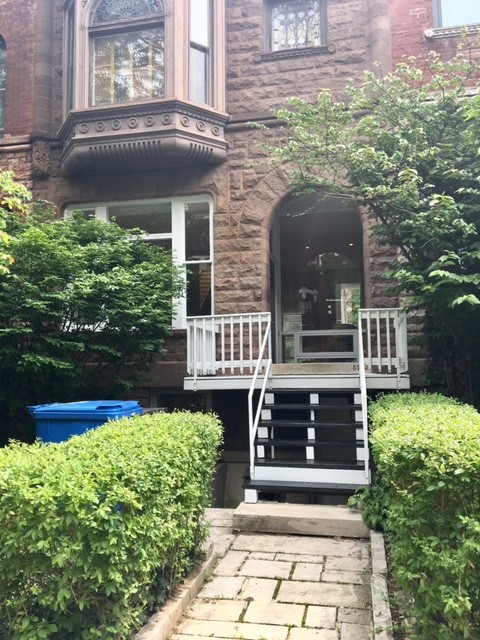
[(389, 346), (232, 346), (250, 343), (240, 339), (379, 343), (222, 342)]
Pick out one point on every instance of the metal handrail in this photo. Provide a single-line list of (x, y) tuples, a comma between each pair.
[(253, 422), (363, 395)]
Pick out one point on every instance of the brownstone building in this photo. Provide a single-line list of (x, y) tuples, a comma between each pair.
[(140, 111)]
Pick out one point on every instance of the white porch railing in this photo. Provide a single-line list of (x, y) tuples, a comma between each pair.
[(232, 344), (384, 333), (228, 344)]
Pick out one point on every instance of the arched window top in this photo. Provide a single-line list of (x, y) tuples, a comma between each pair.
[(113, 10)]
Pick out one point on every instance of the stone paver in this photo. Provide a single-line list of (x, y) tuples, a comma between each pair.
[(222, 587), (309, 571), (261, 589), (345, 577), (313, 634), (347, 564), (324, 593), (275, 613), (284, 587), (213, 629), (321, 617), (266, 569), (231, 563), (228, 610), (355, 632), (354, 616)]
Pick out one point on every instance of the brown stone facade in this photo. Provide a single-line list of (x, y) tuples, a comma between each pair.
[(247, 192)]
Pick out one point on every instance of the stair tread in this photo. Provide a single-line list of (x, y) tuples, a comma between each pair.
[(305, 487), (310, 464), (305, 405), (307, 423), (304, 442), (326, 392)]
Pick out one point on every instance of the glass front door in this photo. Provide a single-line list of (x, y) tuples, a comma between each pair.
[(318, 271)]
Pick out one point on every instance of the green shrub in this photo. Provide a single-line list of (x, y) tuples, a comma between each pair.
[(427, 450), (95, 531)]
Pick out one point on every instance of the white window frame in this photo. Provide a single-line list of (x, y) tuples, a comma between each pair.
[(439, 23), (177, 237)]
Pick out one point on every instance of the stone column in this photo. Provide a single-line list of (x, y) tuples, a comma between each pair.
[(379, 31)]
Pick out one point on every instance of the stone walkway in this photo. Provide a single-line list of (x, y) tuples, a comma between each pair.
[(282, 587)]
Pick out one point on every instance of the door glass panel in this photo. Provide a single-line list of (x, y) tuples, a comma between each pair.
[(199, 289), (197, 231)]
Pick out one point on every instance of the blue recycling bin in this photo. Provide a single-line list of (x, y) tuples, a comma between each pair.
[(57, 422)]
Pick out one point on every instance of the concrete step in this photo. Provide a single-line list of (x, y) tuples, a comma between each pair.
[(299, 519)]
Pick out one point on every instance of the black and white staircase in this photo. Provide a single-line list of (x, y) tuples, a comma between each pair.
[(310, 441)]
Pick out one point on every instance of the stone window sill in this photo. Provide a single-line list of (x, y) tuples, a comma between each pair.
[(294, 53), (451, 32)]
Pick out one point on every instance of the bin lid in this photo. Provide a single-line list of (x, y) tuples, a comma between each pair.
[(91, 409)]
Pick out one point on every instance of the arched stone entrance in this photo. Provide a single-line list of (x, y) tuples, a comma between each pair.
[(316, 270)]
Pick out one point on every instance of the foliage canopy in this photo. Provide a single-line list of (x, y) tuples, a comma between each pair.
[(405, 147), (86, 305)]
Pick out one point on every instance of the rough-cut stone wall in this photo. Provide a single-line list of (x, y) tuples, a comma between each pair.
[(258, 81)]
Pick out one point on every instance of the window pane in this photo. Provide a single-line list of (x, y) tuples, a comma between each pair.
[(129, 66), (197, 231), (113, 10), (459, 12), (199, 290), (296, 24), (198, 89), (199, 22), (164, 243), (153, 218)]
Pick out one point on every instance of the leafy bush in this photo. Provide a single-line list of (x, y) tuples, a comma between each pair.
[(427, 449), (85, 307), (94, 532)]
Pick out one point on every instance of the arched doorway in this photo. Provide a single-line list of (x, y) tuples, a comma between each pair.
[(317, 270)]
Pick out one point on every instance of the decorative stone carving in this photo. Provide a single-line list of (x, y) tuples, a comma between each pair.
[(41, 159)]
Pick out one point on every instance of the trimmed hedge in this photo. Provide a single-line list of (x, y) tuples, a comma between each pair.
[(427, 450), (95, 531)]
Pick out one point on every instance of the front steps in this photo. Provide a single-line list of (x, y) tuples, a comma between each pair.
[(309, 441), (299, 519)]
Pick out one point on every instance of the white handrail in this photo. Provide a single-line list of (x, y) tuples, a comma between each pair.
[(363, 395), (253, 421)]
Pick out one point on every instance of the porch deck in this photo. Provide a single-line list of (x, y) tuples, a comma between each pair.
[(307, 417)]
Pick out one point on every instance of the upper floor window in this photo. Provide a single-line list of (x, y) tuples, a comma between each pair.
[(3, 78), (456, 13), (200, 46), (297, 23), (128, 42)]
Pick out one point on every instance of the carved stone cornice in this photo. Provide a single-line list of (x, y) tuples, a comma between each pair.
[(141, 135)]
